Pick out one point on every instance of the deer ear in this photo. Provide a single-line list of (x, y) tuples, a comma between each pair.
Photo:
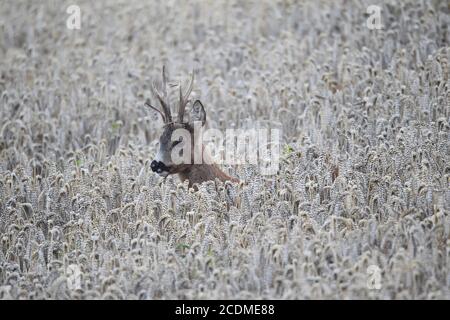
[(198, 113)]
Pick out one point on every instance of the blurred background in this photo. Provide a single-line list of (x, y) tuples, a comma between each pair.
[(363, 179)]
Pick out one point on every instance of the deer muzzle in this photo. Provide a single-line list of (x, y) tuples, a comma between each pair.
[(159, 167)]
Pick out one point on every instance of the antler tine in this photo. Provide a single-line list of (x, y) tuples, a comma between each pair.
[(184, 98), (162, 98), (164, 81), (166, 99), (148, 104)]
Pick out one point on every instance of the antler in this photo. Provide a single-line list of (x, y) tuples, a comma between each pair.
[(184, 98), (162, 98), (164, 101), (148, 104)]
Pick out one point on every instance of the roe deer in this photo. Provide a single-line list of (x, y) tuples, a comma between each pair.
[(195, 172)]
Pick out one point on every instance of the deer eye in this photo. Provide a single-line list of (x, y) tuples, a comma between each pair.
[(175, 143)]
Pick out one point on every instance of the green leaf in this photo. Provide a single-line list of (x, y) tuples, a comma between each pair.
[(288, 149)]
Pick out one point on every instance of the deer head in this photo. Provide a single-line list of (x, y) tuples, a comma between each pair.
[(177, 132)]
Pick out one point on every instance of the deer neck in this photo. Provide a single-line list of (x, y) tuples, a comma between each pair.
[(206, 171)]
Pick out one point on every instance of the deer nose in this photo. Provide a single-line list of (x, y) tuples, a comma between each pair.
[(154, 165), (158, 166)]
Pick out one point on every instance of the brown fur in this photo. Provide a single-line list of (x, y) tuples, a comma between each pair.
[(198, 173)]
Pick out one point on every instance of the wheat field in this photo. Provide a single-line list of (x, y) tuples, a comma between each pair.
[(361, 197)]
